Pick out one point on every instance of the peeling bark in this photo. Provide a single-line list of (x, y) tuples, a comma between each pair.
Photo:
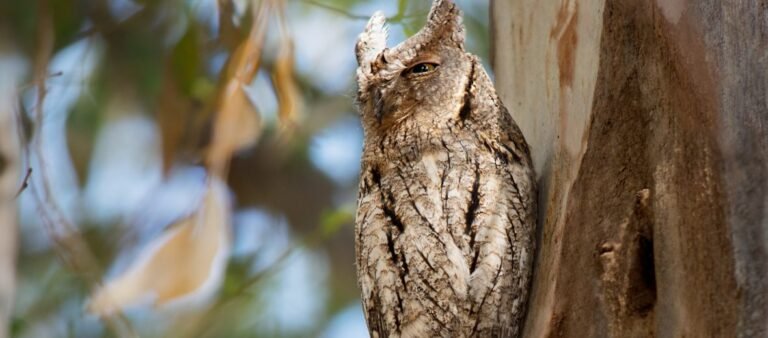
[(648, 123)]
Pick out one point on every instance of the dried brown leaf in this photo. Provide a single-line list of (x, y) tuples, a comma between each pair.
[(286, 89), (236, 124), (176, 118), (229, 34), (187, 260)]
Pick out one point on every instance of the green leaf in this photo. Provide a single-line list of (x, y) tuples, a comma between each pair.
[(402, 5), (17, 326), (185, 60), (333, 221), (67, 21)]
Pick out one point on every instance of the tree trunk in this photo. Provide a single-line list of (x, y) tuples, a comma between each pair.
[(9, 163), (649, 128)]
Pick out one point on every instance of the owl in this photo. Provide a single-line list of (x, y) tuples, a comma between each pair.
[(446, 207)]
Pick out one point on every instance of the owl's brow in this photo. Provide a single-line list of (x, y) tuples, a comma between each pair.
[(425, 58)]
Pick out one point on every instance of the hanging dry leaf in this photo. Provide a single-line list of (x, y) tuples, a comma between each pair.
[(285, 87), (229, 34), (187, 261), (236, 125), (283, 76), (180, 122)]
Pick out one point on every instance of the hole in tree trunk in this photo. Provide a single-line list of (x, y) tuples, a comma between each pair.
[(642, 276)]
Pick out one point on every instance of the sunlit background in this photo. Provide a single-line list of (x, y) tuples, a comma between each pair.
[(126, 120)]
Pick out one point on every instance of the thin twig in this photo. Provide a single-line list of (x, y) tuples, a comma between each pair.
[(24, 183), (212, 314), (69, 243), (215, 311)]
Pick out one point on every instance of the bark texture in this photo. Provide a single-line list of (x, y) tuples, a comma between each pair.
[(648, 123)]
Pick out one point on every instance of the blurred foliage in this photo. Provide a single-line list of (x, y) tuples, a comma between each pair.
[(169, 62)]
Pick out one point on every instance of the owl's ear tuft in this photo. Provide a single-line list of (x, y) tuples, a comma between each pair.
[(444, 27), (373, 40), (444, 20)]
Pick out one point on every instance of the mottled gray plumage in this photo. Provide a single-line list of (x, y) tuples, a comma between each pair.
[(447, 202)]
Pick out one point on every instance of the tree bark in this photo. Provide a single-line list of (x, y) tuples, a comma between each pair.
[(648, 122)]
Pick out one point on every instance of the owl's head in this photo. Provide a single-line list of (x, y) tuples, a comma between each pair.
[(422, 78)]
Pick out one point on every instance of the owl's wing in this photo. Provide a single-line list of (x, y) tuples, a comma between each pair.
[(371, 225), (512, 137)]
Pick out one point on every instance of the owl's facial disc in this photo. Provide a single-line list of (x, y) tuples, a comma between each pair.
[(395, 84), (377, 63)]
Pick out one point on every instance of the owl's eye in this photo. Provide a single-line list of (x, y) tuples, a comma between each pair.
[(422, 68)]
